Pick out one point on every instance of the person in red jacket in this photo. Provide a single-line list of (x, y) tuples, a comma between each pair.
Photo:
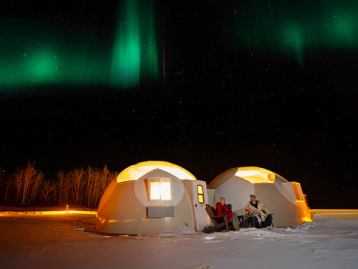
[(223, 209)]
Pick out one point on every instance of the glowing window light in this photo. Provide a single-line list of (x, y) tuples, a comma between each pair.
[(160, 190), (200, 191), (165, 191), (155, 190)]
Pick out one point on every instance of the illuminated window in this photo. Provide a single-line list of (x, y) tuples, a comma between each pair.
[(159, 189), (155, 190), (165, 191), (200, 191)]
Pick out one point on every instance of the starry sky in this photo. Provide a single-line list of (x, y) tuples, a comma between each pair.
[(208, 85)]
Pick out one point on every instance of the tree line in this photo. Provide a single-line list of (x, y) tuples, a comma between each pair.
[(79, 187)]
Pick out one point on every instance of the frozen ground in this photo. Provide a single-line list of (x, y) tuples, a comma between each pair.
[(331, 241)]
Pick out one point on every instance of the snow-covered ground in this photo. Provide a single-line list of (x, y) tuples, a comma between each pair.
[(61, 241)]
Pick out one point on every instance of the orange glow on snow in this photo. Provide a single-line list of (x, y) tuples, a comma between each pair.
[(306, 219), (334, 211), (46, 213)]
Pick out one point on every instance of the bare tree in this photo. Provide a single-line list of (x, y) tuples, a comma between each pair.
[(77, 178), (27, 183), (48, 191), (63, 188), (97, 181), (79, 187)]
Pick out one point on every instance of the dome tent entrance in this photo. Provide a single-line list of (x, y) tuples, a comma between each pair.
[(151, 197)]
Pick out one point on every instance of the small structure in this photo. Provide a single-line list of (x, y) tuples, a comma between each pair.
[(283, 198), (151, 197)]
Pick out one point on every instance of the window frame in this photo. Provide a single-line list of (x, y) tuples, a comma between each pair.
[(200, 194), (148, 183)]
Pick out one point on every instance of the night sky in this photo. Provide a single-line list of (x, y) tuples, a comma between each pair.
[(208, 85)]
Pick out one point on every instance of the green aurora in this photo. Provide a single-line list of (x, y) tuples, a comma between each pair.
[(135, 49), (294, 27), (28, 57), (32, 57)]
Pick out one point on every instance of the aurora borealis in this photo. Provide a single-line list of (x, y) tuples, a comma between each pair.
[(206, 84), (39, 53), (294, 27), (135, 49), (33, 57), (127, 46)]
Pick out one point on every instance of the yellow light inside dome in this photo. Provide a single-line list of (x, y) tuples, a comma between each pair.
[(155, 190), (165, 191), (136, 171), (160, 190)]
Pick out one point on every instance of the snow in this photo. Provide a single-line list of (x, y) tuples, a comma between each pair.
[(68, 241)]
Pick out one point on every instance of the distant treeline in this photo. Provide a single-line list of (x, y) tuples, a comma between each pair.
[(29, 187)]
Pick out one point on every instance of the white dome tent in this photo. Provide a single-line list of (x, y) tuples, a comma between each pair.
[(151, 197), (284, 199)]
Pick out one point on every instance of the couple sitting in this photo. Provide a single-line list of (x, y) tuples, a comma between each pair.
[(254, 210), (258, 212)]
